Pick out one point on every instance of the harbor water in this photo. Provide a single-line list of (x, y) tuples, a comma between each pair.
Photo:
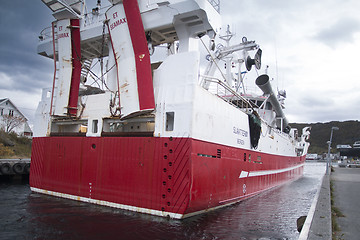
[(270, 215)]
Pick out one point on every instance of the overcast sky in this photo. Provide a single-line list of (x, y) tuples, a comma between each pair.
[(312, 49)]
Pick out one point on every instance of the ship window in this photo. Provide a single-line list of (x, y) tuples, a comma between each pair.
[(249, 157), (2, 112), (95, 126), (244, 157), (170, 121)]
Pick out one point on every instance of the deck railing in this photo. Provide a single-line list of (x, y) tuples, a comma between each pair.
[(224, 92)]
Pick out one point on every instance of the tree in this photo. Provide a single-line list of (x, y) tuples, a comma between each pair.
[(10, 122)]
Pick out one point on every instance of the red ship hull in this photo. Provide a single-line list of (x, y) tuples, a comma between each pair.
[(178, 177)]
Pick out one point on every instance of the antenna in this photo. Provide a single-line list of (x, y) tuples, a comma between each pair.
[(276, 65), (228, 35)]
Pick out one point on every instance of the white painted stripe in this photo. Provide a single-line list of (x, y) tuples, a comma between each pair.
[(157, 212), (110, 204), (131, 208), (243, 174), (214, 208), (268, 172)]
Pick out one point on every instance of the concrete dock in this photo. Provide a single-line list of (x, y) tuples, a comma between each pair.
[(346, 197), (346, 183)]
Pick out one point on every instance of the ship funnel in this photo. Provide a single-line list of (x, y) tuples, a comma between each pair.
[(264, 84)]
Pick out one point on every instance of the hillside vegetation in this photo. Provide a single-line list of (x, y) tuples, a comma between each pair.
[(13, 146), (348, 133)]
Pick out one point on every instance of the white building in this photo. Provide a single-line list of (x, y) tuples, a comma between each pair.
[(7, 108), (312, 156)]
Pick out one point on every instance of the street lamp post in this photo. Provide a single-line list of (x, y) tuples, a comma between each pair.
[(328, 163)]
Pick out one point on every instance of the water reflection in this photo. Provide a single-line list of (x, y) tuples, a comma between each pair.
[(271, 215)]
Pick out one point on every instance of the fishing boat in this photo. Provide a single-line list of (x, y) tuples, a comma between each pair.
[(148, 110)]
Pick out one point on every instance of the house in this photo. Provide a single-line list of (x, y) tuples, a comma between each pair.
[(10, 116)]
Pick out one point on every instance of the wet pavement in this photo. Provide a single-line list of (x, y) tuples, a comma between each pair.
[(346, 182)]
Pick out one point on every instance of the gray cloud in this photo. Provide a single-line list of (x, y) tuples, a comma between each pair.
[(25, 78), (22, 70), (281, 22), (316, 101), (342, 31)]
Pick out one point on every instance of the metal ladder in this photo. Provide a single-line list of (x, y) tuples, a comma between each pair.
[(85, 69)]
